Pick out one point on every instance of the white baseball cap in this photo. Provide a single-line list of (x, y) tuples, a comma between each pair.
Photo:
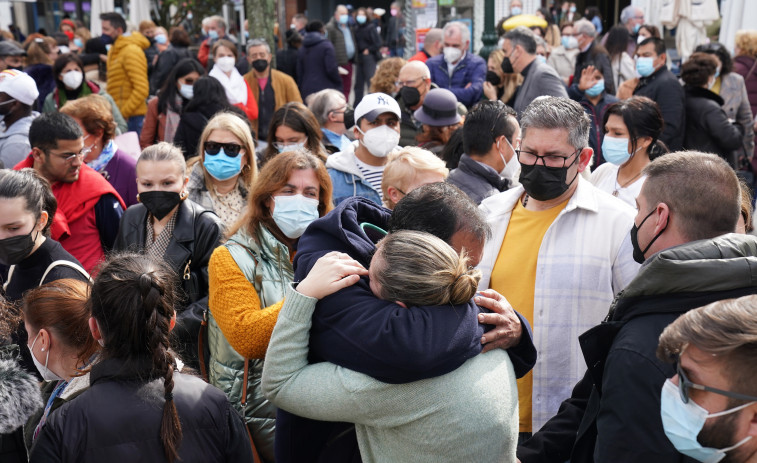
[(19, 86), (375, 104)]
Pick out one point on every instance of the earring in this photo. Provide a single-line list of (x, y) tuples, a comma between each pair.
[(43, 349)]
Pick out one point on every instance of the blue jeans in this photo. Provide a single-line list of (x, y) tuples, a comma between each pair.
[(135, 124)]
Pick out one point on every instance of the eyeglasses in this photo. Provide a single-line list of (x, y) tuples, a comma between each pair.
[(549, 161), (231, 149), (684, 385), (68, 158), (409, 83)]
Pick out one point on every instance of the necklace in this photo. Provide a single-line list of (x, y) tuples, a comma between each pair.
[(619, 186)]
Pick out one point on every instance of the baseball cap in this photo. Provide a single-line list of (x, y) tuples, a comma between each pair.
[(375, 104), (19, 86), (8, 48)]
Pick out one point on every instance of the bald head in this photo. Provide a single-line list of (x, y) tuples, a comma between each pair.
[(433, 43), (415, 74), (414, 70)]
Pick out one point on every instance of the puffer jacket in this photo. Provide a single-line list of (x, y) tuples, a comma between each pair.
[(127, 74), (265, 262), (707, 126)]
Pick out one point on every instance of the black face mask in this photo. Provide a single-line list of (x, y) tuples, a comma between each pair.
[(159, 203), (544, 184), (260, 65), (349, 118), (493, 78), (411, 96), (16, 248), (638, 253), (507, 66)]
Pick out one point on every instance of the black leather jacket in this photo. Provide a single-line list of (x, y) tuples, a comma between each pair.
[(196, 234)]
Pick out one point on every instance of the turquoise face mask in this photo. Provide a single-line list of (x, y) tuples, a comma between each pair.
[(615, 150), (645, 66), (683, 422), (596, 89), (222, 166)]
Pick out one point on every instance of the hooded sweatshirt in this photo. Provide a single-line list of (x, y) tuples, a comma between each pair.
[(316, 65)]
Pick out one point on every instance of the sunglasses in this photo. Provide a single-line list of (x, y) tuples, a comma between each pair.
[(231, 149), (684, 384)]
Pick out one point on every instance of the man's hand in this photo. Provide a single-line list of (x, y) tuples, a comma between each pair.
[(588, 79), (507, 327)]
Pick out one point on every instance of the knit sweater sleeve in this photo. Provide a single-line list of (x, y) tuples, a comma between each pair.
[(235, 305)]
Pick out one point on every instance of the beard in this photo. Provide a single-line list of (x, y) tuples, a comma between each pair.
[(719, 434)]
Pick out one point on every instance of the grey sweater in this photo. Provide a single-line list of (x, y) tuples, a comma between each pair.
[(470, 414)]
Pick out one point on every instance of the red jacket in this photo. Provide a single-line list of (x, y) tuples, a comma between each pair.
[(420, 56), (74, 224)]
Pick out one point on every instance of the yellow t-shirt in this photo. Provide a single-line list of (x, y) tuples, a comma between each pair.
[(514, 276)]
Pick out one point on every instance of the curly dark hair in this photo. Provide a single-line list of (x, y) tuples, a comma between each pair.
[(698, 69)]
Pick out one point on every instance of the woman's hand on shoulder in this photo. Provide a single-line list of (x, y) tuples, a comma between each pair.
[(332, 272)]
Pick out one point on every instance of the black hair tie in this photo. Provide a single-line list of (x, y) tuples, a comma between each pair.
[(169, 396)]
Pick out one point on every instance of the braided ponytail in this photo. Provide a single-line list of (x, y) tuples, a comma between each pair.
[(133, 301)]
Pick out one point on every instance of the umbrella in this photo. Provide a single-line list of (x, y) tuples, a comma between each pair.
[(528, 20)]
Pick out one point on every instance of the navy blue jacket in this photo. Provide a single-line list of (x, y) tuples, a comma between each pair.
[(470, 70), (597, 115), (316, 59), (355, 329)]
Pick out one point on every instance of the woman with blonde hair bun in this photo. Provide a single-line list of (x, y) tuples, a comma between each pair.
[(469, 414), (408, 169), (224, 169)]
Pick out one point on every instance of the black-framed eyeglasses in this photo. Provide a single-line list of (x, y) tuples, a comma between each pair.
[(550, 161), (231, 149), (684, 384)]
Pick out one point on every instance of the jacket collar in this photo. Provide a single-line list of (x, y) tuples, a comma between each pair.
[(701, 92), (485, 172), (721, 264)]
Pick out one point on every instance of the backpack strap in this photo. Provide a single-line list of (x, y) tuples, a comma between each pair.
[(64, 263)]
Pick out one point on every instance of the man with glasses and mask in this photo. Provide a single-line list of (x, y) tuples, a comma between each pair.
[(18, 92), (709, 409), (683, 233), (331, 109), (455, 69), (271, 89), (89, 208), (358, 170), (539, 79), (413, 82), (560, 250)]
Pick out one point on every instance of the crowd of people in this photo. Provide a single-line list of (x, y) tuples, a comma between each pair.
[(207, 253)]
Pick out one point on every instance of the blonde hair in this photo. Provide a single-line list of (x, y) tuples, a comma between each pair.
[(239, 128), (417, 268), (726, 329), (405, 165), (164, 151), (746, 42), (386, 75), (83, 33)]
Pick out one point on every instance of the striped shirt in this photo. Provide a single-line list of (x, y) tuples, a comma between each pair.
[(371, 174)]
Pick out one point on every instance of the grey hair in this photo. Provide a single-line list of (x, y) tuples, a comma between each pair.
[(219, 21), (323, 102), (432, 36), (550, 112), (164, 151), (628, 13), (524, 37), (541, 42), (464, 31), (258, 43), (584, 26)]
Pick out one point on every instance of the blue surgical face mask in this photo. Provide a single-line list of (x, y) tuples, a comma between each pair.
[(717, 72), (221, 166), (541, 58), (213, 34), (569, 43), (516, 10), (284, 147), (187, 91), (683, 422), (572, 9), (161, 39), (596, 89), (360, 19), (636, 28), (293, 214), (645, 66), (78, 42), (343, 19), (615, 150)]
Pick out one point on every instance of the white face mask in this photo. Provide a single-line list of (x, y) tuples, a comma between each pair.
[(380, 141), (73, 79), (187, 91), (452, 54), (511, 170), (46, 373), (226, 64)]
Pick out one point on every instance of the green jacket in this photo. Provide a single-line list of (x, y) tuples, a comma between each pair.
[(265, 262)]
